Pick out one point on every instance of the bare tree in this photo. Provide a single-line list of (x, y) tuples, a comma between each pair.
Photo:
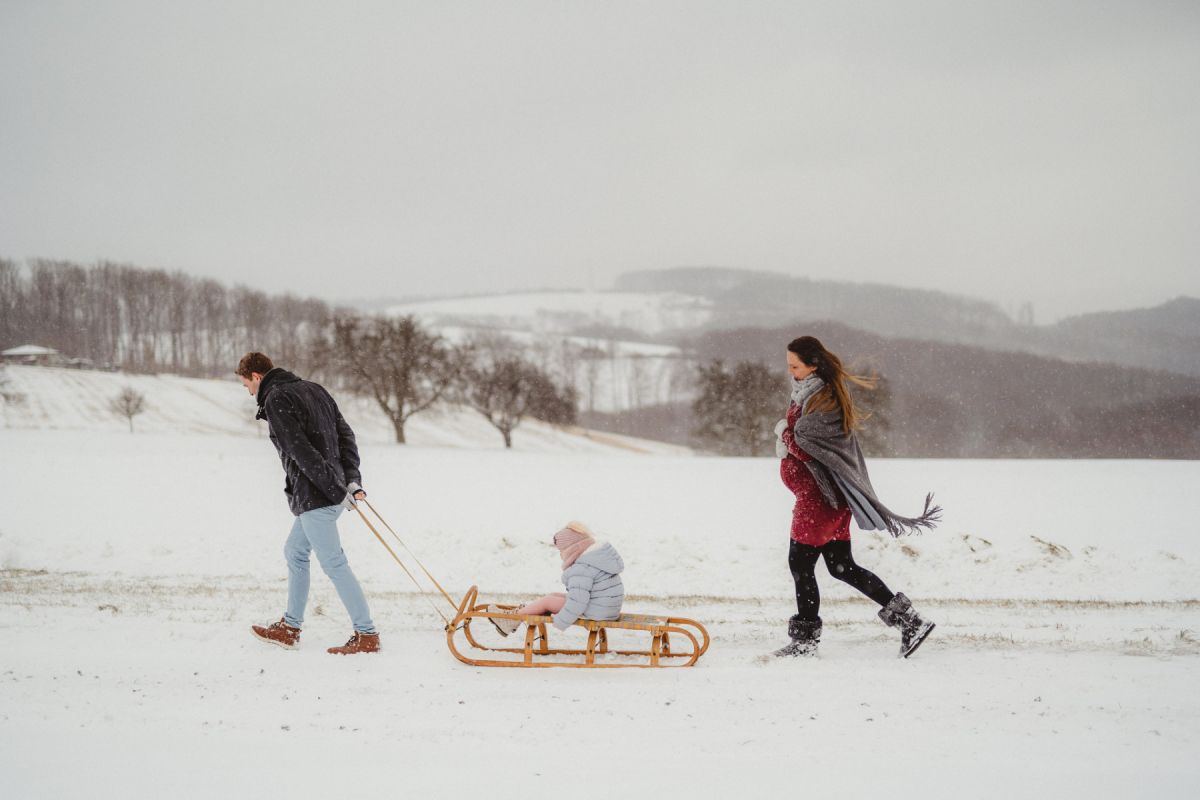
[(212, 323), (498, 392), (614, 353), (637, 378), (565, 357), (504, 387), (397, 362), (681, 379), (181, 299), (13, 322), (129, 403), (591, 356), (104, 314)]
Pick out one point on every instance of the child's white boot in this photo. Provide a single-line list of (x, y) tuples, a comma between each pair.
[(504, 625)]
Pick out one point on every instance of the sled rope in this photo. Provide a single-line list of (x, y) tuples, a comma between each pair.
[(428, 574), (411, 577)]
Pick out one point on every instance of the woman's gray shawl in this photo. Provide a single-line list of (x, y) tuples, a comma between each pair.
[(840, 471)]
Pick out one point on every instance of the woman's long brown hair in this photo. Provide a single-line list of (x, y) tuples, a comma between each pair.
[(829, 369)]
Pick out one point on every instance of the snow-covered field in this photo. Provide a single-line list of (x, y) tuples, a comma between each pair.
[(1066, 597), (71, 399), (1064, 663)]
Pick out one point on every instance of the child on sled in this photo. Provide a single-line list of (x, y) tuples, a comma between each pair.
[(591, 576)]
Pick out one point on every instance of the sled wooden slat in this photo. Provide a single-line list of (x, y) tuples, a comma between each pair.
[(537, 652)]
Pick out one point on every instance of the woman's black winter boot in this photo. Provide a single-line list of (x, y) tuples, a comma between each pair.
[(899, 613), (805, 635)]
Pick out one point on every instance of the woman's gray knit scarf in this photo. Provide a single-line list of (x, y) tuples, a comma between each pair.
[(840, 470), (805, 388)]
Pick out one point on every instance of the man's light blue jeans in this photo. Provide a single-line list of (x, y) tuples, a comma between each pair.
[(317, 531)]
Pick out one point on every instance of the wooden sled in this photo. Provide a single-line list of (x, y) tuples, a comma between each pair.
[(538, 653)]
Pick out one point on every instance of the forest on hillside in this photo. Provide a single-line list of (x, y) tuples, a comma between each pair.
[(150, 320)]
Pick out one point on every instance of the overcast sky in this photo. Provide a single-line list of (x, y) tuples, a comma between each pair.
[(1011, 151)]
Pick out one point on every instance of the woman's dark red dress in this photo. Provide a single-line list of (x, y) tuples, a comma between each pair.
[(814, 521)]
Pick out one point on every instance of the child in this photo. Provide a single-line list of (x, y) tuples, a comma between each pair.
[(591, 575)]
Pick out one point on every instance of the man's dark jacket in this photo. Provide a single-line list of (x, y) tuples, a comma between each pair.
[(316, 446)]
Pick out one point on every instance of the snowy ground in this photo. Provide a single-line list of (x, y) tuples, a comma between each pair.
[(71, 399), (1064, 663)]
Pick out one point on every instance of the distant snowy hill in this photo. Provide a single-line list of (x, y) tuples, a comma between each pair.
[(1163, 337), (70, 399), (595, 342), (647, 313), (1166, 336)]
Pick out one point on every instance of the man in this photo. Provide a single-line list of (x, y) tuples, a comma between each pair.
[(320, 465)]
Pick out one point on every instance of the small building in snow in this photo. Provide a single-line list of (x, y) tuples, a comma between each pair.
[(34, 355)]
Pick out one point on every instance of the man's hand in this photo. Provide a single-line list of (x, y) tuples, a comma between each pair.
[(354, 492)]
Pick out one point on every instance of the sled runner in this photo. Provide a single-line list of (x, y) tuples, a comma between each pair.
[(537, 651)]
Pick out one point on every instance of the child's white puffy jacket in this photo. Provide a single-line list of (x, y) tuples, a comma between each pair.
[(594, 588)]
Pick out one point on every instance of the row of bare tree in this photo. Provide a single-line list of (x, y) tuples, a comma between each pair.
[(149, 320), (408, 369)]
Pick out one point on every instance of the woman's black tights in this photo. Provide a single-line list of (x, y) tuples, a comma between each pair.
[(802, 558)]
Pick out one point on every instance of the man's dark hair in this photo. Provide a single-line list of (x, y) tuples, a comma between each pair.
[(252, 363)]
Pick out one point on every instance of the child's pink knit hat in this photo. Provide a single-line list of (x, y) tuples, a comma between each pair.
[(572, 541)]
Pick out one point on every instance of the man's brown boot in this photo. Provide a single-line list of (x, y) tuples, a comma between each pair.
[(359, 643), (279, 633)]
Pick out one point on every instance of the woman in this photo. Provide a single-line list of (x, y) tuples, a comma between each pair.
[(823, 467)]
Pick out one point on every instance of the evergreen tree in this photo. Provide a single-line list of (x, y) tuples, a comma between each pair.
[(736, 410)]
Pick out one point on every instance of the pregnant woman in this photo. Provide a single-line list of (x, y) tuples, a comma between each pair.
[(823, 467)]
